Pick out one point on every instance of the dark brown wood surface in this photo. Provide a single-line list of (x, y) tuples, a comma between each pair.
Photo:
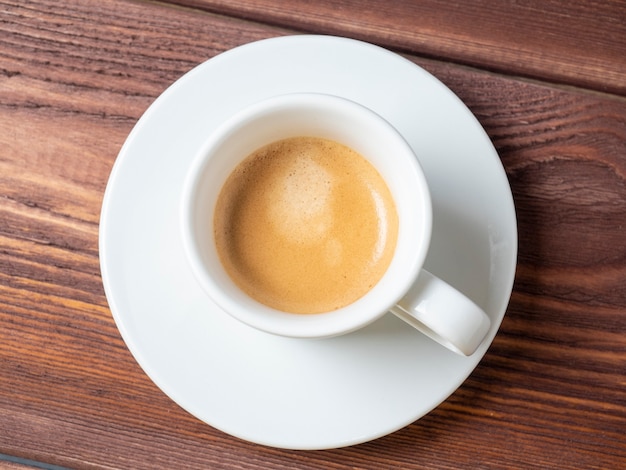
[(580, 42), (12, 465), (545, 79)]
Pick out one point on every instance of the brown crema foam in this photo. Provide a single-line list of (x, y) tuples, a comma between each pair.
[(305, 225)]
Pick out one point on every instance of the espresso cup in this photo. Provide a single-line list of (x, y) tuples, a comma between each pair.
[(397, 228)]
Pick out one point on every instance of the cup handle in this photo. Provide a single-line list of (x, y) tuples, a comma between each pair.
[(444, 314)]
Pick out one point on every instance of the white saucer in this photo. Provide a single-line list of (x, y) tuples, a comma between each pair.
[(303, 394)]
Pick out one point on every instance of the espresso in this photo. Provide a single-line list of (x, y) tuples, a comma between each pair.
[(305, 225)]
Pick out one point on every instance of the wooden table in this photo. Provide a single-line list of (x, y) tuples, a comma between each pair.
[(546, 79)]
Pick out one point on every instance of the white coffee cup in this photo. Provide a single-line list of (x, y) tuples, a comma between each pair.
[(406, 289)]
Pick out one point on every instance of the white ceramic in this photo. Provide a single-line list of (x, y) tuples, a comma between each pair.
[(431, 306), (285, 392)]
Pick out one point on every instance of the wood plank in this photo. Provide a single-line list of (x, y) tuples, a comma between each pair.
[(73, 81), (8, 462), (5, 465), (577, 42)]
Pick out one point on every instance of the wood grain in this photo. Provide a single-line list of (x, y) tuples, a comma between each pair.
[(550, 393), (6, 465), (576, 42)]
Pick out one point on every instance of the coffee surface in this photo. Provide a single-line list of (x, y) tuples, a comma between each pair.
[(305, 225)]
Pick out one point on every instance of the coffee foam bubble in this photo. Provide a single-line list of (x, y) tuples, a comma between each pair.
[(299, 201)]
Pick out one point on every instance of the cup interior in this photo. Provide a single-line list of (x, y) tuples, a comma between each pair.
[(314, 115)]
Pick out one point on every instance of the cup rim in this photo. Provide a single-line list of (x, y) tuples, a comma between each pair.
[(398, 278)]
